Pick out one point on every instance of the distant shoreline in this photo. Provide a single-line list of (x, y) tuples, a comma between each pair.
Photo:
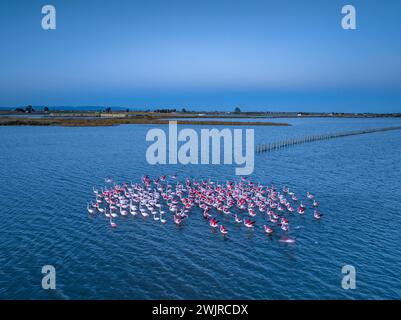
[(97, 122), (84, 118), (192, 114)]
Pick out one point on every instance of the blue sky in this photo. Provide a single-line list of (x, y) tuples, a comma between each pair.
[(259, 55)]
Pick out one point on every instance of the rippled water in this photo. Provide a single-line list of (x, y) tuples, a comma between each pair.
[(47, 174)]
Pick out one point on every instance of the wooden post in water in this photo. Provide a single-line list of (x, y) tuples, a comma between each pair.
[(289, 142)]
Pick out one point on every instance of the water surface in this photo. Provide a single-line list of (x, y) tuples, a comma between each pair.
[(47, 175)]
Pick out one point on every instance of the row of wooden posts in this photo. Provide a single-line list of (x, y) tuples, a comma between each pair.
[(294, 141)]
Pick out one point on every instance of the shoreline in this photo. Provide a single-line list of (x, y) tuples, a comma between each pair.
[(107, 122), (188, 114), (81, 118)]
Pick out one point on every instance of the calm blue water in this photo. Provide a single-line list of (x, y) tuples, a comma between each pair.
[(47, 174)]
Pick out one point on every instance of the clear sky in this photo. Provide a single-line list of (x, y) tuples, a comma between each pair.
[(204, 55)]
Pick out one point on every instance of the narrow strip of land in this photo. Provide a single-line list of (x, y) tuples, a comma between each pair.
[(96, 122)]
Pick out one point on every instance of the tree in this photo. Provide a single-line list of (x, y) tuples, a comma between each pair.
[(46, 109), (184, 110), (165, 110), (19, 110), (108, 110), (127, 110), (29, 109), (237, 110)]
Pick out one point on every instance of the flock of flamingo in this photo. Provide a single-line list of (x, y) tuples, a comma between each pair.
[(239, 201)]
